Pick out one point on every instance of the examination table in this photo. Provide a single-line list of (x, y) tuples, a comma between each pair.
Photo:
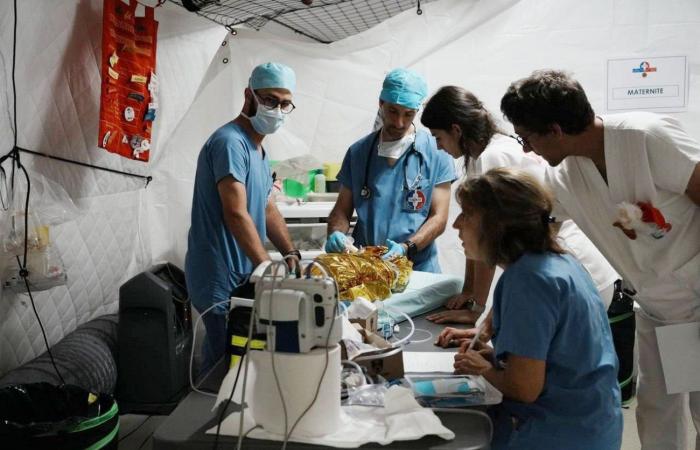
[(185, 428)]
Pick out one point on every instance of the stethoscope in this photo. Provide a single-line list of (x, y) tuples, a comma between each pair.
[(366, 192)]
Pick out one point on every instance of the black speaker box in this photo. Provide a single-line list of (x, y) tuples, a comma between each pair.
[(155, 340)]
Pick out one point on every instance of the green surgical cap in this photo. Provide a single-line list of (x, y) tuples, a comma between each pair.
[(405, 88), (273, 75)]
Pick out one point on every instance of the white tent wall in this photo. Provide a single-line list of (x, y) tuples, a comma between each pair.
[(481, 45), (58, 93)]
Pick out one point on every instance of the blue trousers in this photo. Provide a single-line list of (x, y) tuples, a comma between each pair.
[(214, 345)]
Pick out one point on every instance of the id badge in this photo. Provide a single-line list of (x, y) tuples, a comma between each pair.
[(414, 200)]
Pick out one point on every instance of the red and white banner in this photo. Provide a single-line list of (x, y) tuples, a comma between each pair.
[(128, 102)]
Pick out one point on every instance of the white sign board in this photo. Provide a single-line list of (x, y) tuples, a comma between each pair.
[(651, 84), (679, 347)]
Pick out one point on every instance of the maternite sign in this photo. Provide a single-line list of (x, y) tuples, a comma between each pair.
[(658, 84)]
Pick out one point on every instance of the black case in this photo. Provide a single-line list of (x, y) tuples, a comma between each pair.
[(155, 341)]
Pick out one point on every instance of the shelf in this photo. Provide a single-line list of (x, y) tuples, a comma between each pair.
[(307, 225), (305, 210), (308, 210)]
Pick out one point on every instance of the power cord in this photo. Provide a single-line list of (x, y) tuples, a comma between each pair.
[(407, 338), (134, 430), (14, 84), (246, 357), (325, 366), (320, 381), (275, 264), (41, 326), (273, 350), (4, 201), (194, 340), (13, 155), (224, 407)]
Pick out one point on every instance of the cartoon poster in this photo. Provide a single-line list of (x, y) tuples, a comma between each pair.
[(128, 102)]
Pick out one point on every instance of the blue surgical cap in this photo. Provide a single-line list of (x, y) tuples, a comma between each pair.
[(273, 75), (405, 88)]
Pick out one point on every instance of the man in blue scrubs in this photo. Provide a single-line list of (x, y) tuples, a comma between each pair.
[(232, 211), (396, 180)]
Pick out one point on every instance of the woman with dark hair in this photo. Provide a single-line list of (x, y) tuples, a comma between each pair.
[(553, 357), (462, 127)]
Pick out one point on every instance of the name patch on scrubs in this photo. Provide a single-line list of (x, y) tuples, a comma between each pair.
[(415, 200)]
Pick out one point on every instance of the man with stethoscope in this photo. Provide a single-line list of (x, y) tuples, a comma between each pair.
[(396, 180)]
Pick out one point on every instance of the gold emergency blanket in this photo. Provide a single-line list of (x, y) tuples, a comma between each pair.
[(365, 273)]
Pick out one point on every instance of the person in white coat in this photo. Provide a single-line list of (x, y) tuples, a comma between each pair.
[(631, 182), (465, 129)]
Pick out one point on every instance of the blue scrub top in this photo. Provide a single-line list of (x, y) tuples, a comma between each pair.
[(383, 216), (215, 263), (546, 307)]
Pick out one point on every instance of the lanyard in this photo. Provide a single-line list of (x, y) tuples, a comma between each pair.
[(366, 192)]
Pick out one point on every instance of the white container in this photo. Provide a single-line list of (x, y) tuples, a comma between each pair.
[(319, 183), (299, 377)]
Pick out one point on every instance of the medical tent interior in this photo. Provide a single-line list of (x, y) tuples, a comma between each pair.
[(114, 225)]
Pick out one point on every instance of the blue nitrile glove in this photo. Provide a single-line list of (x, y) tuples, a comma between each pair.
[(336, 242), (395, 249)]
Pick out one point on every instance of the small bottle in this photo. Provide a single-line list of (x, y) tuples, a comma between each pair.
[(319, 183)]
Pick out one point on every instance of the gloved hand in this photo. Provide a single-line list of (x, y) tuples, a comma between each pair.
[(336, 242), (395, 249)]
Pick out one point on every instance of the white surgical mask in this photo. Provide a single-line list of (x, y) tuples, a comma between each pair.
[(395, 149), (266, 121)]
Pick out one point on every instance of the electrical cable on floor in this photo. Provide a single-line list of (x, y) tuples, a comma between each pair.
[(134, 430), (150, 435)]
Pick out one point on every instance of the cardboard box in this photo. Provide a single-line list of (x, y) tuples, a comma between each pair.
[(386, 360), (369, 323)]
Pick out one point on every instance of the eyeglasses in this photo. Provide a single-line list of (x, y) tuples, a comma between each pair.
[(523, 141), (270, 102)]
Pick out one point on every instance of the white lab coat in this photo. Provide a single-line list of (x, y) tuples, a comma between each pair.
[(504, 151), (648, 158)]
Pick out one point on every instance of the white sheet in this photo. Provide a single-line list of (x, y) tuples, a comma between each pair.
[(402, 419)]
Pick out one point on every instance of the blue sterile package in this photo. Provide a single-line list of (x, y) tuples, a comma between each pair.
[(448, 391)]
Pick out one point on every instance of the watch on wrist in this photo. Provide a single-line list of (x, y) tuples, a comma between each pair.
[(472, 305), (411, 249), (294, 252)]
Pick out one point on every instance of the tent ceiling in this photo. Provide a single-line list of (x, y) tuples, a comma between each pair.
[(322, 20)]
